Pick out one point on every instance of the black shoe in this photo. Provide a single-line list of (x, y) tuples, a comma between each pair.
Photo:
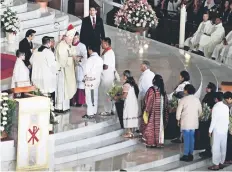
[(184, 158), (205, 154), (148, 146), (85, 116), (190, 157), (91, 116)]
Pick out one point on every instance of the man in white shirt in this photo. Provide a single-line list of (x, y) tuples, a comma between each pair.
[(222, 49), (145, 82), (94, 68), (44, 68), (219, 128), (209, 41), (204, 28), (107, 78)]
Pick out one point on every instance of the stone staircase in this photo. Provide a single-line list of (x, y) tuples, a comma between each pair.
[(44, 23)]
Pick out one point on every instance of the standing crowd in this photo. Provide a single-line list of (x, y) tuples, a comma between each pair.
[(73, 72)]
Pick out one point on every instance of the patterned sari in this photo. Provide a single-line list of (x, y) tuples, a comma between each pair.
[(157, 107)]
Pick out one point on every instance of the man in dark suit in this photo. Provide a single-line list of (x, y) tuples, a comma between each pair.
[(26, 46), (92, 30)]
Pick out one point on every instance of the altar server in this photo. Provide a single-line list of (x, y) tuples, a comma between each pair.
[(92, 81), (65, 55), (79, 97), (227, 59), (44, 68), (204, 28), (145, 82), (20, 72), (208, 42), (221, 50), (219, 129), (107, 78)]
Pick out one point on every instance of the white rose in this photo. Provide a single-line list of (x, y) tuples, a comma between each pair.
[(151, 15), (130, 12), (4, 123), (5, 109), (6, 24), (141, 20), (139, 9), (144, 24), (3, 20), (152, 22), (147, 13), (5, 98), (138, 24), (5, 104), (4, 113), (2, 128), (4, 118), (0, 107), (129, 20), (137, 14), (4, 94)]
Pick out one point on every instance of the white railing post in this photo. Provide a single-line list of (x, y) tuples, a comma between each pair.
[(182, 26)]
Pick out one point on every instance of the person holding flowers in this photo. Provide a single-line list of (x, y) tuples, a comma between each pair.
[(130, 112)]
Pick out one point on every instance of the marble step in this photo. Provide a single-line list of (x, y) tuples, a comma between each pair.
[(18, 6), (89, 138), (101, 127), (7, 150), (79, 147), (95, 152), (33, 12)]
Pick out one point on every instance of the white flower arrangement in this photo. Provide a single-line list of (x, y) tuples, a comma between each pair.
[(10, 21), (136, 13), (7, 110)]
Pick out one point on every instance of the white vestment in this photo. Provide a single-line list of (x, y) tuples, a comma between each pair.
[(208, 43), (44, 70), (228, 58), (222, 50), (20, 74), (219, 127), (94, 68), (107, 79), (80, 67), (204, 27), (66, 79), (179, 88), (145, 82)]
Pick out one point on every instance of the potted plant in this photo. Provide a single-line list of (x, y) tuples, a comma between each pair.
[(136, 16), (7, 109), (10, 23)]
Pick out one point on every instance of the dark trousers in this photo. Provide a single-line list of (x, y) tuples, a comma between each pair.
[(229, 148), (53, 96), (119, 107), (202, 137)]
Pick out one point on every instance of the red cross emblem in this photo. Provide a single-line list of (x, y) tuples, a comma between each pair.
[(33, 132)]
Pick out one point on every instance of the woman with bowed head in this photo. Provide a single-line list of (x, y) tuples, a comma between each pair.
[(130, 111), (155, 115)]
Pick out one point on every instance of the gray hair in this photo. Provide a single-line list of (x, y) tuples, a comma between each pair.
[(146, 63)]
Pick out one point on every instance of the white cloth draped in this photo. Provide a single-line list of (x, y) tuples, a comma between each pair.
[(228, 58), (44, 70), (107, 79), (20, 73), (208, 43), (204, 27)]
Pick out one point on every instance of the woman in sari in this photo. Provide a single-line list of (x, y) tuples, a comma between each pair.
[(156, 106), (130, 110)]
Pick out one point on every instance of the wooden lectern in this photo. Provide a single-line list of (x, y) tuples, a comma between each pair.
[(33, 133)]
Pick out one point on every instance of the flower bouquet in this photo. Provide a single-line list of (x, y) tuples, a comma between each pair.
[(206, 112), (116, 90), (136, 14), (172, 105), (7, 109)]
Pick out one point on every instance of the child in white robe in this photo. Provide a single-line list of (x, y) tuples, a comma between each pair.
[(21, 72)]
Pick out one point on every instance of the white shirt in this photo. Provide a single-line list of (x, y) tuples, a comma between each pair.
[(109, 59), (95, 17), (20, 73), (220, 119), (44, 70), (145, 82), (94, 68)]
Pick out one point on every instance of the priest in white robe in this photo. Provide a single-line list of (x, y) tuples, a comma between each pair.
[(20, 77), (65, 55), (94, 68), (79, 97), (44, 69), (205, 27), (219, 131), (145, 82), (107, 78), (221, 50), (208, 42), (227, 58)]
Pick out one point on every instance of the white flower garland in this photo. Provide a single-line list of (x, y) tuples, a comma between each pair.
[(4, 109)]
